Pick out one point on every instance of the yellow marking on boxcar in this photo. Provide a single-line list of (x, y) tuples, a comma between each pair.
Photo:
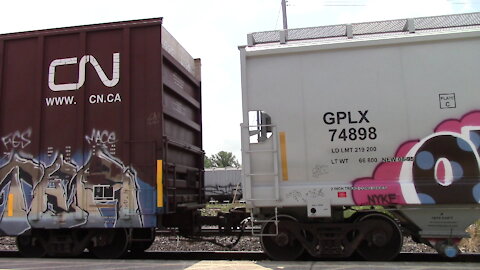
[(159, 183), (283, 155), (10, 205)]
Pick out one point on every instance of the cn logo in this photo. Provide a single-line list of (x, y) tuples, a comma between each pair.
[(81, 72)]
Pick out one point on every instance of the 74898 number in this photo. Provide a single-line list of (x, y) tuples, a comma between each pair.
[(353, 134)]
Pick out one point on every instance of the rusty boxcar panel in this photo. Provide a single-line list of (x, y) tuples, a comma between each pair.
[(100, 127)]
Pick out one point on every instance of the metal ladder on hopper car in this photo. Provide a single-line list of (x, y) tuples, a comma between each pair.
[(247, 153)]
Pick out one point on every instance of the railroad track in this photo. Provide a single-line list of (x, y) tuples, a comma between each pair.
[(260, 256)]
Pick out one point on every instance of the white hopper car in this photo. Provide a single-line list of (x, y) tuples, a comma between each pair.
[(378, 119)]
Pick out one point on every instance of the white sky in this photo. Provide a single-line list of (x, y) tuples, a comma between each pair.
[(213, 29)]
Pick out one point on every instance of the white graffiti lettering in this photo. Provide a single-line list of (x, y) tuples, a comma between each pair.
[(101, 137), (17, 139), (81, 72)]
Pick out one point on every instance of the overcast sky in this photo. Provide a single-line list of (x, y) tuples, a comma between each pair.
[(213, 29)]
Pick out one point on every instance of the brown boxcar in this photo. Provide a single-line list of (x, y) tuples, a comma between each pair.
[(100, 127)]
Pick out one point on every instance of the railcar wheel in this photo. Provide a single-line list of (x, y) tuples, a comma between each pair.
[(30, 246), (110, 244), (284, 246), (383, 239)]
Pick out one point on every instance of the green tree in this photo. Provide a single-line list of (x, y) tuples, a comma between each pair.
[(207, 162), (224, 159)]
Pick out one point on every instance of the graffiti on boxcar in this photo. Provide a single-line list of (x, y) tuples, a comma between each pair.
[(443, 168), (154, 118), (75, 196), (17, 177), (59, 191), (17, 139), (101, 137)]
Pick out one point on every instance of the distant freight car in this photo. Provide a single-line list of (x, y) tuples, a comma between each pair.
[(381, 114), (101, 134), (223, 184)]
